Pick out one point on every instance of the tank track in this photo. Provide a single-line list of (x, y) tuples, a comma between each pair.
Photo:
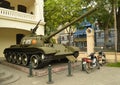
[(25, 56)]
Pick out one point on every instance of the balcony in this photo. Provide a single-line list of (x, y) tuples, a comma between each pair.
[(19, 20), (12, 14)]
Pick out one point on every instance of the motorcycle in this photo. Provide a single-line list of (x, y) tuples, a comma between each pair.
[(90, 63), (101, 58)]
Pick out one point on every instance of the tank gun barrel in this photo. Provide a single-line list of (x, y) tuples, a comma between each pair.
[(35, 28), (72, 22)]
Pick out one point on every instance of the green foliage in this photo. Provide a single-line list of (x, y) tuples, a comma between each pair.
[(53, 41), (58, 12), (104, 14)]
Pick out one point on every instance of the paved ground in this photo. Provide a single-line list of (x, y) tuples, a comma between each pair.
[(104, 76)]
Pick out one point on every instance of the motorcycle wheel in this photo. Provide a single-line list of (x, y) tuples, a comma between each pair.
[(104, 60), (97, 65), (87, 68)]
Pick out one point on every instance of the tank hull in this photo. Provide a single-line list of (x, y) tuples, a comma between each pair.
[(37, 56)]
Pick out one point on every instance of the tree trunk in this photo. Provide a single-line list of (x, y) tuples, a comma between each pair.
[(106, 32), (106, 36), (118, 29)]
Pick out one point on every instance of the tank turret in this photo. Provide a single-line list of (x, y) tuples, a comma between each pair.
[(33, 48)]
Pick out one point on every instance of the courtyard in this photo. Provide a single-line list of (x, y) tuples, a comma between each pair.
[(104, 76)]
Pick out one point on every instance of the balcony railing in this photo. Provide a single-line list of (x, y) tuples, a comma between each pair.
[(15, 14)]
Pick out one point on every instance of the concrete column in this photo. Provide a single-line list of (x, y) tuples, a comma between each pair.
[(39, 4), (39, 14), (90, 40)]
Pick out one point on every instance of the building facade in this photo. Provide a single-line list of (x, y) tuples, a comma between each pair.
[(66, 36), (79, 39), (100, 38), (17, 18)]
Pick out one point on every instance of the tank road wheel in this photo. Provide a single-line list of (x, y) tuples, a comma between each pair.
[(25, 59), (19, 58), (14, 58), (7, 56), (36, 61)]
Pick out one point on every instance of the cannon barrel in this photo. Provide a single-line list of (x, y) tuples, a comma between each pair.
[(72, 22), (35, 28)]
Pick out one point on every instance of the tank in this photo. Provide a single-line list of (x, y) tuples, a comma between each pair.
[(38, 50)]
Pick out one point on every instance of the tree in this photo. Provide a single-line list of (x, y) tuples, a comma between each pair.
[(58, 12), (118, 26)]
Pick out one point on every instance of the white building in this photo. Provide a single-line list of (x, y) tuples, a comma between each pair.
[(17, 18), (66, 36)]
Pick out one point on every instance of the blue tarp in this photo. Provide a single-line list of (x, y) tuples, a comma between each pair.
[(81, 32), (85, 24)]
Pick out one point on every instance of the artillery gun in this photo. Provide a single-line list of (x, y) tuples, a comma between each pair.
[(38, 50)]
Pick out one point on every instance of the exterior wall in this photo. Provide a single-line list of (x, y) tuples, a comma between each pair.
[(39, 9), (110, 56), (65, 36), (64, 39), (14, 22), (28, 3), (23, 20), (8, 37)]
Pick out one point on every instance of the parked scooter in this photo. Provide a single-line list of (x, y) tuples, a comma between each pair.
[(90, 63), (101, 57)]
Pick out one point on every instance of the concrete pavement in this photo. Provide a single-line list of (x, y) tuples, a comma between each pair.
[(104, 76)]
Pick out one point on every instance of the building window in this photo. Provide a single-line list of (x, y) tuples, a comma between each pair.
[(22, 8), (68, 37), (5, 4), (62, 38)]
